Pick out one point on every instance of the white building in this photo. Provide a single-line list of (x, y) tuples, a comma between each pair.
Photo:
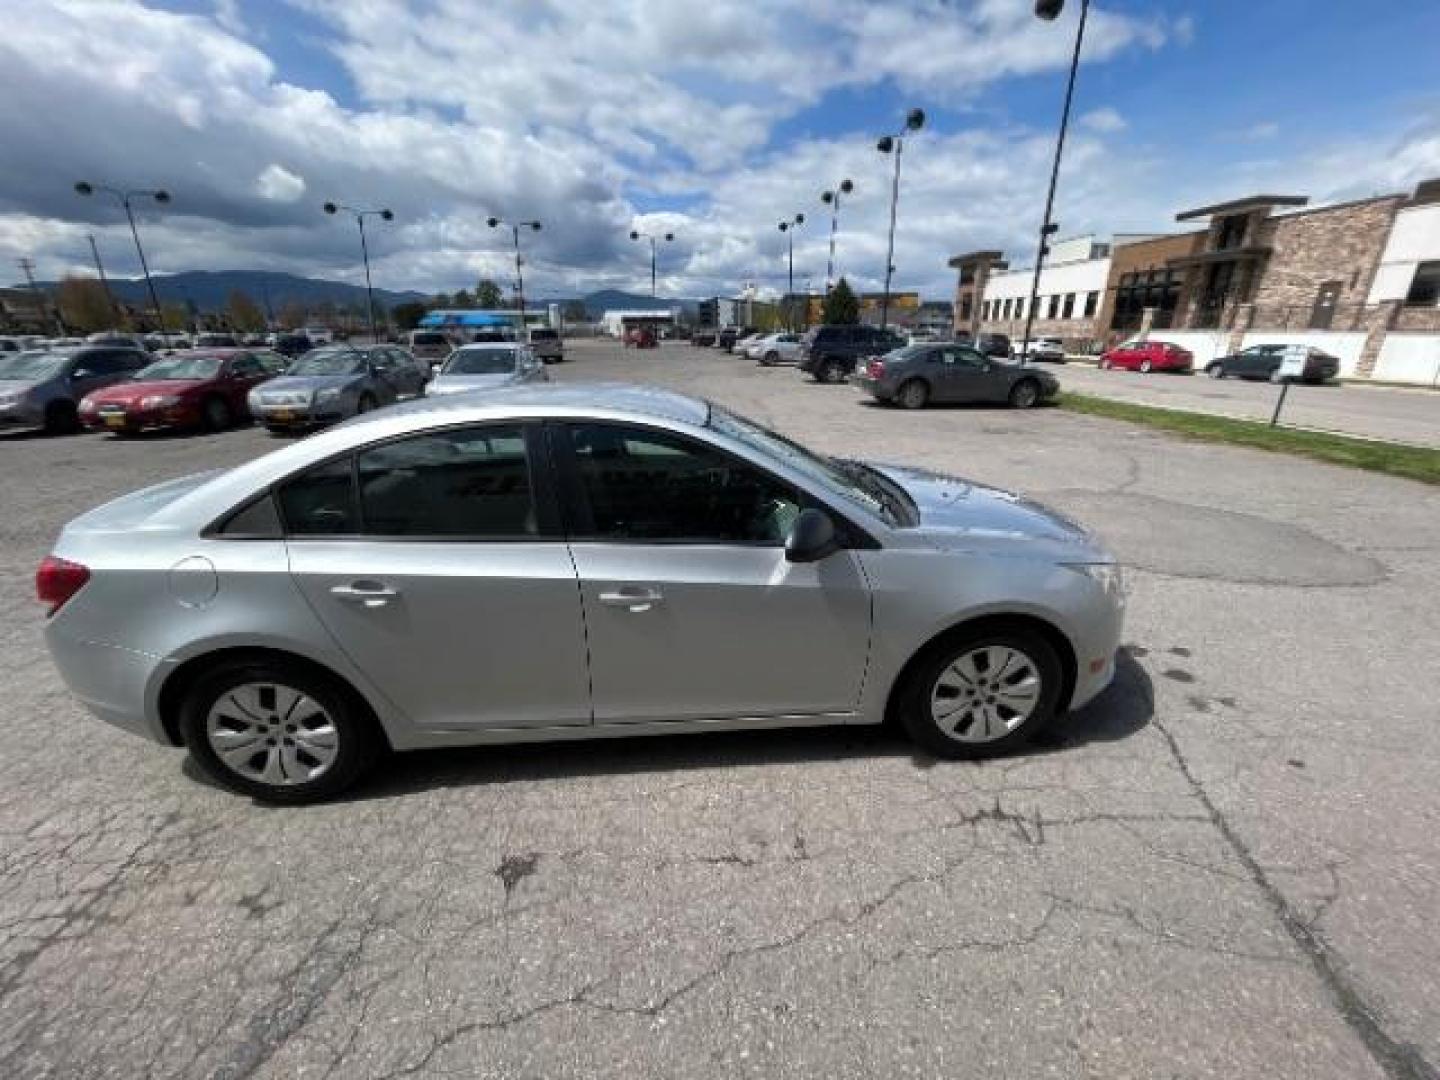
[(1409, 268), (1071, 292), (613, 321)]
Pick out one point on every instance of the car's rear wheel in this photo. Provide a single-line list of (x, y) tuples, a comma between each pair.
[(913, 394), (216, 414), (981, 692), (770, 359), (61, 418), (1215, 371), (1145, 367), (1105, 365), (832, 372), (1024, 394), (278, 731)]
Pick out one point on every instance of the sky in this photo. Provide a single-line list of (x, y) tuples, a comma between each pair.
[(711, 120)]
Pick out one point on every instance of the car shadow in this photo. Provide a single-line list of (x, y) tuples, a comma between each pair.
[(1123, 709)]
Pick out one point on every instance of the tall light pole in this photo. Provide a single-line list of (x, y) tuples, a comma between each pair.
[(1049, 10), (635, 234), (515, 227), (831, 198), (104, 281), (161, 196), (914, 121), (360, 216), (788, 228)]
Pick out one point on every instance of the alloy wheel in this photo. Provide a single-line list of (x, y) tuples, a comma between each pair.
[(271, 733), (985, 693)]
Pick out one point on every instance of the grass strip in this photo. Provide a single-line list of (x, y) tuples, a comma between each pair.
[(1410, 462)]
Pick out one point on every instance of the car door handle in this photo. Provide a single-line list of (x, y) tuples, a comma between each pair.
[(369, 593), (634, 597)]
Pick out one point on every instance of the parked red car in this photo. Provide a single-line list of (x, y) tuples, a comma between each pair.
[(195, 389), (1149, 356)]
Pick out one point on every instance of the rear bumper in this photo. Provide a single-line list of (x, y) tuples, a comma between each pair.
[(877, 389)]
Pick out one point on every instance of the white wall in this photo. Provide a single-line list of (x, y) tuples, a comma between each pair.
[(1083, 277), (1414, 238), (1409, 358), (1204, 345), (1342, 345)]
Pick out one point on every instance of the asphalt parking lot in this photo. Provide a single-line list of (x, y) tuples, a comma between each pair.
[(1407, 415), (1225, 866)]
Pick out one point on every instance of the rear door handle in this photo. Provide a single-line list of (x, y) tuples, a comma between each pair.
[(369, 593), (634, 597)]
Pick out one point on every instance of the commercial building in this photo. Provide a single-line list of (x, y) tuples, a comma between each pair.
[(1359, 279)]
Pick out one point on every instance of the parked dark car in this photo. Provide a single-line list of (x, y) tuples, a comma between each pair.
[(293, 345), (727, 337), (216, 341), (194, 389), (946, 374), (704, 337), (832, 353), (998, 345), (1263, 362), (43, 389)]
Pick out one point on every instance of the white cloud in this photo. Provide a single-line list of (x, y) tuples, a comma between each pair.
[(279, 184), (1104, 120)]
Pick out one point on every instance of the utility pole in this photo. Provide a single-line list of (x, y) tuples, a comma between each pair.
[(29, 268), (100, 269)]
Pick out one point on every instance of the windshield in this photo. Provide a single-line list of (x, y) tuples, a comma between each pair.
[(180, 367), (480, 362), (851, 481), (329, 362), (29, 366)]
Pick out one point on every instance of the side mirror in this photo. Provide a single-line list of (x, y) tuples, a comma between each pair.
[(811, 538)]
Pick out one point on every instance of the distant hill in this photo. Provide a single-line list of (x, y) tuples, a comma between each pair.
[(597, 303), (208, 290)]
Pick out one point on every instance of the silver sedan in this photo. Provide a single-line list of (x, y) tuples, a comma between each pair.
[(567, 562), (490, 366)]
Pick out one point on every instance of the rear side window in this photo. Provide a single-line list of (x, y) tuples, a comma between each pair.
[(543, 335), (321, 501), (256, 520), (470, 482)]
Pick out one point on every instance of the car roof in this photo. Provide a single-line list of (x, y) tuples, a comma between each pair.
[(478, 346)]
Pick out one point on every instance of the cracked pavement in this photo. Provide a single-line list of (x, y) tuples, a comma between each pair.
[(1225, 866)]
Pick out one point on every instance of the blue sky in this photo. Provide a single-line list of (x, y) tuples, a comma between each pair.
[(713, 122)]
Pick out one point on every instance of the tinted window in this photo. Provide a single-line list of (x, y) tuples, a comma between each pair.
[(429, 339), (321, 502), (258, 519), (472, 482), (650, 486)]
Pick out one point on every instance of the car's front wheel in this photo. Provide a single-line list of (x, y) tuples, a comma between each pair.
[(1215, 371), (982, 691), (215, 416), (366, 403), (1024, 394), (278, 731)]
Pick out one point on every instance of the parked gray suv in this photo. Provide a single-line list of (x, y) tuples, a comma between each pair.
[(43, 389)]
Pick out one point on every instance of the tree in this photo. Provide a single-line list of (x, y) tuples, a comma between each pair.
[(442, 300), (176, 315), (462, 300), (243, 313), (85, 305), (293, 314), (407, 315), (842, 307), (488, 295)]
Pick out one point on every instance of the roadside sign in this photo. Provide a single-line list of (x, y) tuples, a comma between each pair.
[(1292, 362)]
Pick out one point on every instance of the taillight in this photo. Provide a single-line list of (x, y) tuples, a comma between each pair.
[(875, 369), (57, 580)]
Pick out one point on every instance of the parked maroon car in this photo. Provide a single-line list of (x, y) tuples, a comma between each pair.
[(195, 389), (1148, 356)]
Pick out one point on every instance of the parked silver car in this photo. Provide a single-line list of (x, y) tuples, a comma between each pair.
[(335, 382), (487, 367), (567, 562), (774, 349), (44, 388)]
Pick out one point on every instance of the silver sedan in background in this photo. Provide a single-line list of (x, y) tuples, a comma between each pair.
[(487, 367), (567, 562), (335, 382)]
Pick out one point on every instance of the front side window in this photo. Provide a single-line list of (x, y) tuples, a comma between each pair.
[(469, 482), (651, 487)]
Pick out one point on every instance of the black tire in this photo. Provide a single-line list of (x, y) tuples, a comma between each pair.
[(913, 699), (1024, 394), (360, 743), (61, 418), (1215, 371), (215, 414), (913, 394), (770, 359), (1145, 367), (831, 372), (365, 404)]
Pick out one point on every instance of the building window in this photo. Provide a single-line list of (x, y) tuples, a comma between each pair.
[(1425, 286), (1054, 306), (1092, 301), (965, 308), (1231, 233), (1159, 289), (1068, 311), (1008, 304)]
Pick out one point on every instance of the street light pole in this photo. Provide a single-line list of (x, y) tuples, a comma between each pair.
[(914, 121), (1049, 10), (360, 215), (104, 282), (515, 227), (635, 234), (788, 228), (832, 199), (162, 197)]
